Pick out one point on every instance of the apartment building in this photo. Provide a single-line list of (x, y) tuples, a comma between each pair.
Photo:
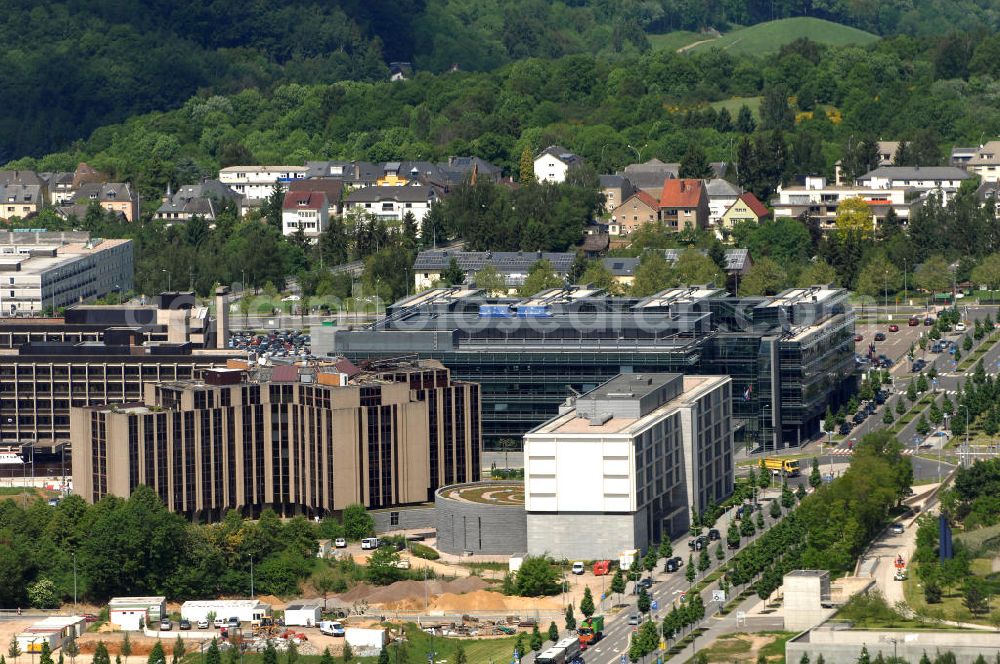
[(818, 199), (627, 460), (56, 270), (300, 439), (983, 160), (255, 183), (305, 211)]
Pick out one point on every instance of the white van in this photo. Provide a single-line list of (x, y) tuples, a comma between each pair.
[(369, 543), (221, 622)]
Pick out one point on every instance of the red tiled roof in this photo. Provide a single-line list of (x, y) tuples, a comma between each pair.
[(304, 200), (754, 204), (681, 193), (647, 199)]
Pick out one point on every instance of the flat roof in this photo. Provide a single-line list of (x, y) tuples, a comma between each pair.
[(304, 606), (629, 386), (136, 600), (230, 603), (572, 423)]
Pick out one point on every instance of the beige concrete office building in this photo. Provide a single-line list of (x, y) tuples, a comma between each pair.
[(299, 439)]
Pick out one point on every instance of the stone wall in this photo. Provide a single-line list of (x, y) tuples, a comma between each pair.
[(482, 528), (843, 646), (583, 536), (406, 518)]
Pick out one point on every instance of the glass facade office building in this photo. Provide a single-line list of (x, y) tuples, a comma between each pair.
[(789, 356)]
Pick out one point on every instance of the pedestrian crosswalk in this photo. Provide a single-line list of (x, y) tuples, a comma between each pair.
[(843, 452)]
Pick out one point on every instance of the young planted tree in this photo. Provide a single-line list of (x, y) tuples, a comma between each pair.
[(644, 602), (553, 633), (704, 562), (815, 478), (570, 619), (618, 582), (126, 649), (536, 639), (587, 603)]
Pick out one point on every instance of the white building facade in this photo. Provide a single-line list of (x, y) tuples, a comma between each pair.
[(553, 163), (628, 460), (258, 182), (391, 203), (306, 211), (819, 200)]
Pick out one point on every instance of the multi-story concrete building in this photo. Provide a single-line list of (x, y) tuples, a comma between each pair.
[(392, 203), (628, 460), (99, 355), (256, 183), (817, 199), (943, 180), (56, 270), (301, 439), (789, 356)]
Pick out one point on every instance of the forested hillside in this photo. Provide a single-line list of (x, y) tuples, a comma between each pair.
[(70, 66)]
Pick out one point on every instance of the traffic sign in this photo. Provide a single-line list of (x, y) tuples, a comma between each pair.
[(683, 596)]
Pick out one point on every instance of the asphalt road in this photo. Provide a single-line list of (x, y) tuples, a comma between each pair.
[(666, 589)]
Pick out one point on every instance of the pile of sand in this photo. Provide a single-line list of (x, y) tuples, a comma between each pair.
[(410, 595), (486, 600)]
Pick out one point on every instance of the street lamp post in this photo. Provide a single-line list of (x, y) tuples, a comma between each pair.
[(74, 581), (251, 575), (167, 272)]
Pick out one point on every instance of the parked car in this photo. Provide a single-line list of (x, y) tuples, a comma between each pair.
[(220, 622), (714, 535), (634, 619), (960, 327), (578, 567), (894, 328), (858, 337), (646, 582), (928, 321), (913, 322), (678, 560), (698, 543), (844, 429), (937, 347), (879, 336), (166, 625), (860, 416), (880, 397), (89, 617), (671, 566), (897, 529), (202, 624), (340, 543), (369, 543), (184, 624), (233, 622)]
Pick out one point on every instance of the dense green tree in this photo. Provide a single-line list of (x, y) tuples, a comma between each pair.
[(358, 523), (694, 164), (537, 578), (541, 276)]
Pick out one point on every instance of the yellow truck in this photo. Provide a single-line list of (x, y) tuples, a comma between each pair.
[(779, 466)]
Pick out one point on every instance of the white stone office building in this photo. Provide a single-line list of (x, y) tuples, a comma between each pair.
[(620, 467), (53, 270)]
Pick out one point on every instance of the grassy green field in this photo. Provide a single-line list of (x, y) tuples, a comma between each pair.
[(951, 606), (671, 41), (769, 37), (733, 105)]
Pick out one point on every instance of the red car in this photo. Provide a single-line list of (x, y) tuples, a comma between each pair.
[(858, 337), (894, 328)]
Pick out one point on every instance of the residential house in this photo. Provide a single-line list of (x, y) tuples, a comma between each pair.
[(683, 204), (204, 199), (20, 200), (942, 179), (306, 211), (400, 71), (721, 195), (622, 269), (649, 175), (553, 163), (63, 186), (719, 168), (640, 208), (115, 197), (332, 188), (255, 183), (983, 161), (392, 203), (514, 266), (746, 208), (816, 199), (616, 189), (460, 169)]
